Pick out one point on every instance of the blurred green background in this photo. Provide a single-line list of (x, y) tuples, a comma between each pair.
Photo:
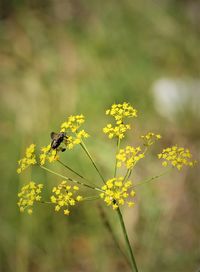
[(59, 58)]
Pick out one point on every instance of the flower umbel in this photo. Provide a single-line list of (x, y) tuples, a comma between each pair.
[(29, 159), (129, 156), (177, 157), (29, 194), (71, 127), (48, 154), (76, 139), (73, 123), (120, 112), (150, 138), (116, 131), (65, 195), (116, 192)]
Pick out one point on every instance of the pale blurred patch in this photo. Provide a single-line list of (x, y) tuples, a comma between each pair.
[(174, 95)]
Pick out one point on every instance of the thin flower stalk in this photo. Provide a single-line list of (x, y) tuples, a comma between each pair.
[(131, 255), (113, 235), (70, 179), (132, 261), (70, 169), (88, 154), (91, 159), (89, 198), (117, 151), (154, 178)]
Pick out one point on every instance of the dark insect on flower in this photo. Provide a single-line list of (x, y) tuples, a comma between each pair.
[(57, 139)]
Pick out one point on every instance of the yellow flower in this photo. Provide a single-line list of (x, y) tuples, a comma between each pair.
[(177, 157), (29, 159), (66, 212), (116, 192), (129, 156), (79, 198), (116, 131), (49, 154), (65, 196), (150, 138), (130, 204), (115, 206), (71, 127), (120, 112), (28, 195), (73, 123), (30, 211)]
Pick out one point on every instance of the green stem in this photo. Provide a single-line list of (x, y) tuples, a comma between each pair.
[(90, 198), (84, 199), (110, 230), (95, 166), (70, 179), (117, 151), (152, 178), (70, 169), (132, 258), (91, 159), (133, 263), (128, 173), (45, 202)]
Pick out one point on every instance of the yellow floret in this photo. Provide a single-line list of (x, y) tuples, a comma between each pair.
[(120, 112), (116, 192), (65, 195), (28, 195), (29, 159), (177, 157)]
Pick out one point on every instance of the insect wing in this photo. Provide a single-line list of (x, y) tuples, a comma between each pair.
[(53, 135)]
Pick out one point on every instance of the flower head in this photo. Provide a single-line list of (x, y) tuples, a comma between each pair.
[(28, 195), (116, 192), (64, 196), (120, 112), (73, 123), (29, 159), (177, 157), (76, 139), (129, 156), (150, 138), (116, 131), (71, 127), (47, 153)]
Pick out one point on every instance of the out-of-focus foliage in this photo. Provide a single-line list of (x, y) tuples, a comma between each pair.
[(69, 57)]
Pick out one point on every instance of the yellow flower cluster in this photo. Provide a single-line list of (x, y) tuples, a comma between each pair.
[(72, 141), (116, 131), (29, 194), (48, 154), (120, 112), (116, 192), (129, 156), (64, 196), (71, 126), (150, 138), (73, 123), (177, 157), (29, 159)]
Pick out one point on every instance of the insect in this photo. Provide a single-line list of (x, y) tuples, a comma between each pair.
[(57, 139)]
